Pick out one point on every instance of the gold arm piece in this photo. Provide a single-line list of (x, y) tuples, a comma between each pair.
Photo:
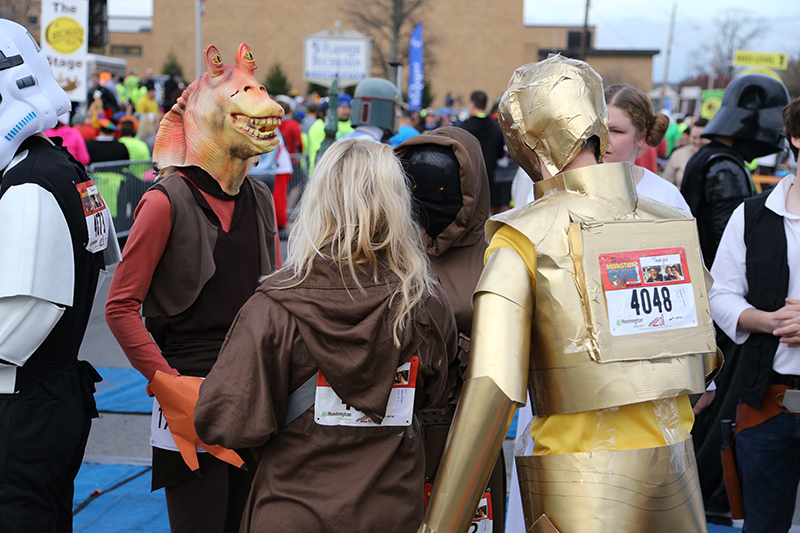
[(495, 387), (506, 274), (482, 419), (712, 363), (708, 278), (501, 330)]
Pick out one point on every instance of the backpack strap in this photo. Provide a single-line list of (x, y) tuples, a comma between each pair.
[(301, 399)]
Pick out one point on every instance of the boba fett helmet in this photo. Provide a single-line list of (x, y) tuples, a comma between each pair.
[(375, 103), (751, 114)]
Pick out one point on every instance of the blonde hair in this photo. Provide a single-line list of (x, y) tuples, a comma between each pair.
[(357, 208), (148, 125), (637, 105)]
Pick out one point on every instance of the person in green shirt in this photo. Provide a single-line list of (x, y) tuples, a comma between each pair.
[(343, 110), (673, 134), (137, 148), (316, 133), (131, 84), (128, 126)]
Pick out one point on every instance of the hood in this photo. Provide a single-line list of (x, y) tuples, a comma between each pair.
[(347, 331), (467, 227)]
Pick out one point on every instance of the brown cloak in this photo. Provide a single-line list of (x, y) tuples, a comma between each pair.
[(315, 478)]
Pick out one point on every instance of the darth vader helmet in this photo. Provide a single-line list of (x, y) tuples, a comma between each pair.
[(751, 115)]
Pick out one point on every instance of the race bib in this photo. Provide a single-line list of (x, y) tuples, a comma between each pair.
[(482, 521), (330, 410), (98, 219), (160, 435), (648, 290)]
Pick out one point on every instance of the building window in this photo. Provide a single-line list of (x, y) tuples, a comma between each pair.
[(574, 39), (124, 50)]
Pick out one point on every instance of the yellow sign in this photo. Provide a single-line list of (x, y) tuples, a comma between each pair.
[(65, 35), (710, 107), (746, 58), (760, 70)]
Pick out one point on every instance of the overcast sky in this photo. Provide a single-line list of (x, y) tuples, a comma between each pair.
[(637, 24)]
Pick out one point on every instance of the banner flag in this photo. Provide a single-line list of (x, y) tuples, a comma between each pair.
[(416, 75)]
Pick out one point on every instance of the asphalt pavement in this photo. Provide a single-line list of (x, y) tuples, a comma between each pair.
[(115, 438), (125, 438)]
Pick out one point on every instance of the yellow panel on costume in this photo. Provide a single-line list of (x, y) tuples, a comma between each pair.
[(640, 425)]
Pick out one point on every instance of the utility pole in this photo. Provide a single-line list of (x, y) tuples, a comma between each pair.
[(198, 38), (397, 66), (585, 36), (664, 82), (713, 75)]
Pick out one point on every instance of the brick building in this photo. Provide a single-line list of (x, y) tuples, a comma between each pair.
[(475, 46)]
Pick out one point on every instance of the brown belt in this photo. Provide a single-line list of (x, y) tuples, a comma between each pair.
[(772, 405)]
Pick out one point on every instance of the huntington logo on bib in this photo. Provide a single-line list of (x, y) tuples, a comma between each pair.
[(648, 290), (330, 410)]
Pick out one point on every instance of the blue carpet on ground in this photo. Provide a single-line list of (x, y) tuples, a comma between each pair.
[(122, 391), (117, 498), (512, 430)]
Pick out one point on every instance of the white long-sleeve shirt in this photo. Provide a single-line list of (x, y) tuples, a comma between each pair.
[(727, 296)]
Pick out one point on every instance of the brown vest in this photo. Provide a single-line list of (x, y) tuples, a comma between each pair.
[(188, 260)]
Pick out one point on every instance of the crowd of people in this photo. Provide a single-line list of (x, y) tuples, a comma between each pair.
[(366, 381)]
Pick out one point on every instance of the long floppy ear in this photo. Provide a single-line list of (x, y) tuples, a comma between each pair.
[(245, 60), (170, 145), (214, 60)]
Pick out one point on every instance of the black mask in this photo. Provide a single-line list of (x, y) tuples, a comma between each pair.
[(435, 180)]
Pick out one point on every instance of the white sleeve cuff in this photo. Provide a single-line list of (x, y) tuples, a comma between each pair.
[(726, 311), (25, 323)]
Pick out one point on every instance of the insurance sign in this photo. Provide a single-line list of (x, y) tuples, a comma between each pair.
[(329, 56), (747, 58)]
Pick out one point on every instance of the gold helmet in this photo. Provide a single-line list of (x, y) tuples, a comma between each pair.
[(551, 108)]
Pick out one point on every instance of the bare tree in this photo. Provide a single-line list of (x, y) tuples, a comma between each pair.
[(791, 76), (389, 23), (732, 30)]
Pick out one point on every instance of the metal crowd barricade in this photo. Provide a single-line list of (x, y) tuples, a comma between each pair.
[(122, 184), (298, 182)]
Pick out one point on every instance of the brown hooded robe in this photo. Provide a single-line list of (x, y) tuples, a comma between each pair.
[(457, 255), (316, 478)]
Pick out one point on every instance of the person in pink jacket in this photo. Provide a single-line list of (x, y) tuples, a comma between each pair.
[(71, 139)]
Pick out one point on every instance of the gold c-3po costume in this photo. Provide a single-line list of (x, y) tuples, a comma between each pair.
[(574, 302)]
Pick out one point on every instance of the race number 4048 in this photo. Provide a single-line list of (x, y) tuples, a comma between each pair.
[(648, 290)]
